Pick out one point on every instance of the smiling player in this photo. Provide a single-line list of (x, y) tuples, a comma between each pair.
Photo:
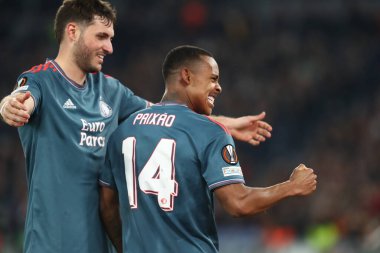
[(165, 163)]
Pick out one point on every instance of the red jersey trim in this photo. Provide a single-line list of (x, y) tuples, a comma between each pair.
[(220, 124)]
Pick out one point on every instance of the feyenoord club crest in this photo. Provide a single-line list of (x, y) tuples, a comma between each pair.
[(105, 109)]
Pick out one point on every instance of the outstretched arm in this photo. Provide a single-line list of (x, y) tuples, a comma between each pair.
[(109, 213), (239, 200), (15, 109), (251, 129)]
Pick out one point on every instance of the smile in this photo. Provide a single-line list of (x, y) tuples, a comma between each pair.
[(211, 99)]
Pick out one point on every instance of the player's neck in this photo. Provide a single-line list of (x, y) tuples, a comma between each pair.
[(71, 69), (173, 97)]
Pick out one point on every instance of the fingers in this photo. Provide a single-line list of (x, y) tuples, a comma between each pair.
[(15, 104), (264, 129), (22, 97), (312, 186), (261, 135), (14, 123), (254, 142), (251, 129), (258, 116), (305, 180), (15, 112), (301, 167), (13, 119), (255, 118), (265, 126)]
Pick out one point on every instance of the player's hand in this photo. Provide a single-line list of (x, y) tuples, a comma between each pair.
[(251, 129), (14, 111), (304, 180)]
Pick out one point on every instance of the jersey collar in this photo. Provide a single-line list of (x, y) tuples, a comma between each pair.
[(72, 82)]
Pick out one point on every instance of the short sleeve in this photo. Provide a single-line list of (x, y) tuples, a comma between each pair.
[(220, 163), (28, 82)]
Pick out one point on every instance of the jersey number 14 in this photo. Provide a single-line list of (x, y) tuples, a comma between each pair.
[(158, 175)]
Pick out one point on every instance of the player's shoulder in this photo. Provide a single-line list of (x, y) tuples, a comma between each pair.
[(39, 70), (106, 82), (206, 124), (37, 74), (100, 76), (216, 124)]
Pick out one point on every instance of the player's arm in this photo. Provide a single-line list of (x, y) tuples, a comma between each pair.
[(251, 129), (109, 212), (240, 200), (16, 108)]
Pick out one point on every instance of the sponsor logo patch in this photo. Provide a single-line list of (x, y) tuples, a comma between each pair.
[(229, 154), (232, 171)]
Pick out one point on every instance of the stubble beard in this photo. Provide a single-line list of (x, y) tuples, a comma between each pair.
[(82, 57)]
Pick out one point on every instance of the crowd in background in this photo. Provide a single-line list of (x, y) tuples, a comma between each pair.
[(313, 66)]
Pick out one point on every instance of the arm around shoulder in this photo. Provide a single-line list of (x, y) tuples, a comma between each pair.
[(251, 129)]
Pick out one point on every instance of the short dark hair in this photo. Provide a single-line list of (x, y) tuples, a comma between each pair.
[(82, 11), (181, 56)]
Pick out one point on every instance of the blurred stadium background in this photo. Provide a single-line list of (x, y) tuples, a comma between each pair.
[(313, 66)]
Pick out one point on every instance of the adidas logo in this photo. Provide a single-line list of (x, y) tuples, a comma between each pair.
[(69, 104)]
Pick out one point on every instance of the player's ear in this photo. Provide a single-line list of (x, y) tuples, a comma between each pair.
[(72, 31), (186, 75)]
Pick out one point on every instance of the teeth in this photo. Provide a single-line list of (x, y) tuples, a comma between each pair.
[(211, 99)]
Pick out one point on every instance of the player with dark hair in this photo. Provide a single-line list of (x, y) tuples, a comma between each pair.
[(66, 109), (74, 108), (164, 164)]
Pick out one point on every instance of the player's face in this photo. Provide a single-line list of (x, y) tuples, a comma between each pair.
[(204, 86), (94, 43)]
